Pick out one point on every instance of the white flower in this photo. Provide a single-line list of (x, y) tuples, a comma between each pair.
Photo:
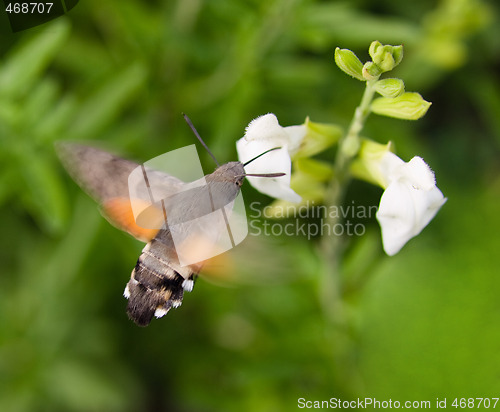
[(410, 201), (264, 133)]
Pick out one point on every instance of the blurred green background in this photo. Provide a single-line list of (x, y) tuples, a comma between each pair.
[(422, 325)]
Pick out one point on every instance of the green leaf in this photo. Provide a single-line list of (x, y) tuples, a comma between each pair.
[(408, 106), (390, 87), (38, 103), (43, 193), (105, 104), (24, 66), (51, 126)]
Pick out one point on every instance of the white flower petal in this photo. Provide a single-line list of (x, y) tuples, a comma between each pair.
[(388, 166), (409, 203), (247, 150), (262, 134), (396, 219), (427, 203), (420, 173), (277, 161), (275, 188), (295, 136), (266, 127)]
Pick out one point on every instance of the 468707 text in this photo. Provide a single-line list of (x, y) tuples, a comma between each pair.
[(473, 403), (29, 8)]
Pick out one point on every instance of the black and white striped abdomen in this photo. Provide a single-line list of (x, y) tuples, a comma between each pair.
[(157, 283)]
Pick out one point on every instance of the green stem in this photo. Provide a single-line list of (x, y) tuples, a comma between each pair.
[(349, 145), (339, 330), (332, 246)]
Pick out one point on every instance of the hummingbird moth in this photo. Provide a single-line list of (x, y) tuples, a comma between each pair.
[(160, 278)]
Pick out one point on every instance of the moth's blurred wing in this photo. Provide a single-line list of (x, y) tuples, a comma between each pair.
[(104, 177), (205, 221), (101, 174), (119, 212)]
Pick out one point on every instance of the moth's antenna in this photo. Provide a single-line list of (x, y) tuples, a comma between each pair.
[(262, 154), (263, 174), (188, 121)]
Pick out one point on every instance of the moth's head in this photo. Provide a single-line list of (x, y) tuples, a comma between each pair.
[(232, 172)]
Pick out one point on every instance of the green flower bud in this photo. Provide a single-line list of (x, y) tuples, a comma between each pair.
[(305, 181), (409, 106), (397, 53), (318, 170), (390, 87), (319, 136), (386, 57), (349, 63), (309, 188), (350, 146), (374, 46), (371, 71), (385, 60), (366, 166)]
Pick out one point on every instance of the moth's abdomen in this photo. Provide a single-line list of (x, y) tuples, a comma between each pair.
[(156, 285)]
